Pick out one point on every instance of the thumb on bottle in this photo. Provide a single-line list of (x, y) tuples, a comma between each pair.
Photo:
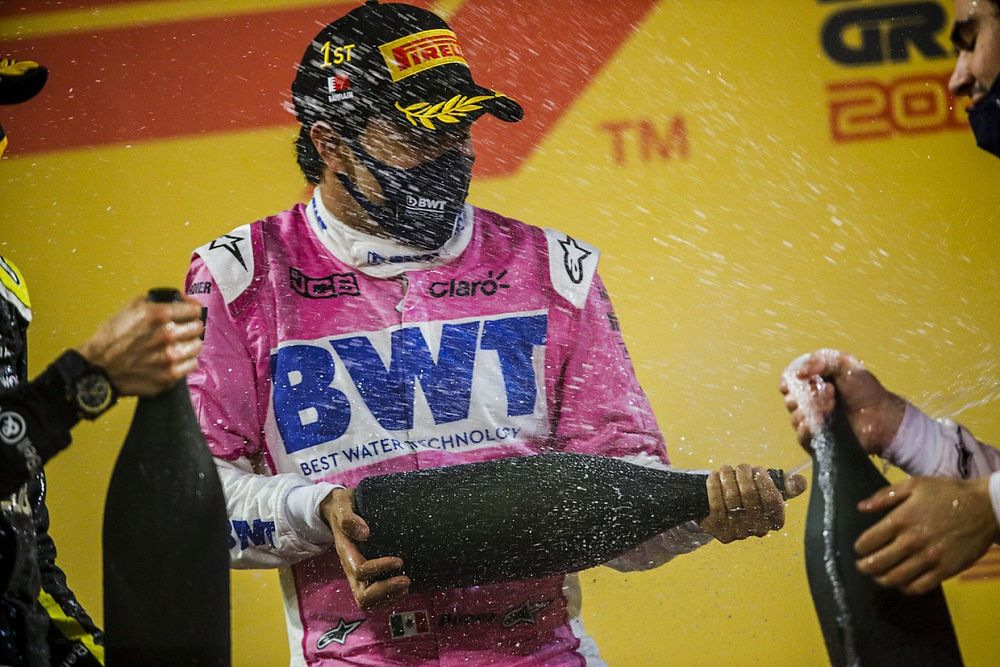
[(795, 485)]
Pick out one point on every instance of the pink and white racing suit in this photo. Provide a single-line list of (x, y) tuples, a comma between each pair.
[(331, 355)]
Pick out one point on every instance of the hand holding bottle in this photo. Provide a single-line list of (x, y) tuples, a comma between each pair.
[(147, 347), (846, 420), (375, 583), (164, 476), (528, 517), (745, 502), (937, 528), (873, 412)]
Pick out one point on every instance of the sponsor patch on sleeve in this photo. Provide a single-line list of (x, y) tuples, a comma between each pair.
[(572, 264), (230, 259)]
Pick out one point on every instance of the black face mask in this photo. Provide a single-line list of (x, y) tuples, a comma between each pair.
[(985, 120), (422, 203)]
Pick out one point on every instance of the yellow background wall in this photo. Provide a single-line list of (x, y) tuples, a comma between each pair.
[(768, 240)]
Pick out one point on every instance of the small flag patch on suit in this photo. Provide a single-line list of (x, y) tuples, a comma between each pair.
[(409, 624)]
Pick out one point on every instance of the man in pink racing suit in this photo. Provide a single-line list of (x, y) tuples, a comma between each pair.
[(386, 326)]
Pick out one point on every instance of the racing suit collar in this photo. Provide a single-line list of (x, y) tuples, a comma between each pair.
[(378, 257)]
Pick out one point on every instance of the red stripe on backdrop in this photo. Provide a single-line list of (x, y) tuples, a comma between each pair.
[(25, 7), (129, 84), (543, 54), (199, 77)]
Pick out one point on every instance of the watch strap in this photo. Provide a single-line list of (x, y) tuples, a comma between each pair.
[(74, 367)]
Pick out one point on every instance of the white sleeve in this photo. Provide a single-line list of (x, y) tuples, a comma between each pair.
[(274, 520), (939, 448), (657, 550)]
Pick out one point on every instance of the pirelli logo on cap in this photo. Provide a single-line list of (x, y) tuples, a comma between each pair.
[(421, 51)]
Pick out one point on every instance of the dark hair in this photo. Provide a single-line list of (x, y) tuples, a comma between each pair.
[(310, 162), (308, 157)]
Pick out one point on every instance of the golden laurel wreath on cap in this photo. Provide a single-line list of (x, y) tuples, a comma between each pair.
[(451, 111), (11, 67)]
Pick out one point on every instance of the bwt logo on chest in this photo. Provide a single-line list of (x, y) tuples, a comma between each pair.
[(312, 408)]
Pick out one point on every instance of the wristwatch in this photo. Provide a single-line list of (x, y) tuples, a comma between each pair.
[(88, 388)]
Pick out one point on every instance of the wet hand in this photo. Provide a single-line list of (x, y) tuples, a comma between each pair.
[(744, 502), (829, 376), (936, 528), (374, 583)]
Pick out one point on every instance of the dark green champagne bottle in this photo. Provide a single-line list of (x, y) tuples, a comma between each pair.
[(522, 518), (863, 623), (166, 558)]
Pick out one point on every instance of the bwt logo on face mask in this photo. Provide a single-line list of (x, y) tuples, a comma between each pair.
[(310, 410), (376, 259), (424, 204)]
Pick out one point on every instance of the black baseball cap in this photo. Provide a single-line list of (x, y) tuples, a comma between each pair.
[(20, 80), (393, 60)]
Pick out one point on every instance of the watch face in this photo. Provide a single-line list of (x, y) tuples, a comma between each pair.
[(93, 394)]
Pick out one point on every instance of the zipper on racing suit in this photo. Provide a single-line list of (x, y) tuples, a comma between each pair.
[(401, 307)]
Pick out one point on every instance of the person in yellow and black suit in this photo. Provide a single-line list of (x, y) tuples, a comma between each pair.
[(142, 350), (41, 621)]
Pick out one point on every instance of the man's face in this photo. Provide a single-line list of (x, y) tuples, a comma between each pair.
[(976, 35), (404, 147), (401, 182)]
